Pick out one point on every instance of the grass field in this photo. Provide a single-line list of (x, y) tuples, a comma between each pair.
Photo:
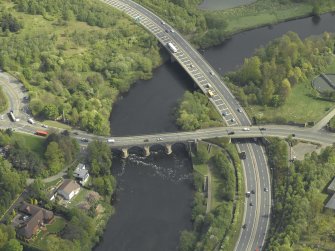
[(56, 124), (265, 12), (223, 4), (300, 107), (31, 142), (56, 226)]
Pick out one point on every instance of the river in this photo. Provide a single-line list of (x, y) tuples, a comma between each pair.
[(155, 194)]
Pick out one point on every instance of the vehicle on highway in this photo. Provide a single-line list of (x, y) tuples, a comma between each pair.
[(84, 139), (232, 120), (252, 191), (246, 129), (146, 140), (171, 47), (75, 133), (239, 109), (266, 189), (231, 133), (208, 85), (243, 155), (247, 194), (31, 121), (167, 31), (210, 93), (162, 22), (42, 133), (251, 204), (262, 129), (159, 139), (293, 135), (171, 30), (224, 113), (244, 226), (11, 116), (110, 140), (212, 73), (191, 65), (44, 126)]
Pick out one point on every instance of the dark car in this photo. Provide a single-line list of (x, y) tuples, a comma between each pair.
[(244, 226), (253, 191), (146, 140), (231, 133), (251, 204), (262, 129)]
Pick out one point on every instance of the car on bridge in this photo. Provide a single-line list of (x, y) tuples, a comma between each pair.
[(231, 133), (210, 93), (84, 139), (159, 139), (246, 129)]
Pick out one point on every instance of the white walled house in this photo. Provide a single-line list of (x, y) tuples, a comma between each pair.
[(68, 189)]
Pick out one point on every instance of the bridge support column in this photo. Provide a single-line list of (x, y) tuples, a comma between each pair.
[(168, 149), (125, 153), (146, 151), (172, 59)]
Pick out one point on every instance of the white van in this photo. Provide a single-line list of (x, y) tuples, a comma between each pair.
[(246, 129), (110, 140)]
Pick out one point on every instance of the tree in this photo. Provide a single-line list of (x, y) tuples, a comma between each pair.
[(250, 71), (54, 157), (202, 155), (50, 111), (187, 241), (13, 245), (285, 89)]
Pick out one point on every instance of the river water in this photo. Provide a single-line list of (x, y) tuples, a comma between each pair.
[(155, 194)]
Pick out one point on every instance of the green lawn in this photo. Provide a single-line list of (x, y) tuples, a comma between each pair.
[(56, 124), (31, 142), (201, 168), (300, 107), (57, 225), (331, 68), (52, 184)]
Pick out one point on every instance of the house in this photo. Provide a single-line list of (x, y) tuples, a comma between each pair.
[(81, 174), (331, 203), (37, 217), (331, 187), (68, 189)]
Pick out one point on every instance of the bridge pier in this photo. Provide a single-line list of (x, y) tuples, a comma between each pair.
[(168, 149), (172, 59), (125, 153), (146, 151)]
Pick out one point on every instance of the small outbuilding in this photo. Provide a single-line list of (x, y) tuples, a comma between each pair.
[(68, 189)]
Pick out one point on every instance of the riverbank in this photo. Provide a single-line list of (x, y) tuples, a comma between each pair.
[(219, 193)]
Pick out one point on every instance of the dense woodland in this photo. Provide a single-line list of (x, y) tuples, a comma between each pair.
[(195, 111), (210, 230), (8, 242), (71, 68), (299, 220), (267, 78)]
